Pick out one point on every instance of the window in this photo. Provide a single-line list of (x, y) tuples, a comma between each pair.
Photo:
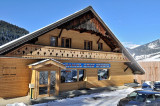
[(66, 42), (157, 96), (54, 41), (132, 95), (88, 45), (150, 97), (68, 76), (140, 97), (100, 46), (103, 74), (43, 77), (81, 75)]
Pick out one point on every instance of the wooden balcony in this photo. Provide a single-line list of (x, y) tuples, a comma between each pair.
[(38, 51)]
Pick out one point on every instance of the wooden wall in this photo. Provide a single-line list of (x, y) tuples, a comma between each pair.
[(117, 77), (77, 39), (152, 71), (14, 77)]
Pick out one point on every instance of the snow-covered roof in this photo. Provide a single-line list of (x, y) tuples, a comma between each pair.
[(39, 62), (136, 68), (43, 61)]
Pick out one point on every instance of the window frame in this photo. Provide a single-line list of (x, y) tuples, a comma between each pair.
[(86, 42), (100, 46), (84, 76), (64, 39), (65, 79), (108, 74), (56, 45)]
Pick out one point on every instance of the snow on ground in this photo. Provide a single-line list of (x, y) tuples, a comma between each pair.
[(97, 99), (16, 104)]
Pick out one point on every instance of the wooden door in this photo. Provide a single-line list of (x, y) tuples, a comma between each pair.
[(52, 82), (46, 83)]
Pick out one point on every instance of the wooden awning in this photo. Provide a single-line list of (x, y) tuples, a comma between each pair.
[(47, 62)]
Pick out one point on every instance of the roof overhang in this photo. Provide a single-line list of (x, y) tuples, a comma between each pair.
[(47, 62)]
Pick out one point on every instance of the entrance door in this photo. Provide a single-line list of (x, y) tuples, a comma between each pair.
[(53, 82), (46, 86)]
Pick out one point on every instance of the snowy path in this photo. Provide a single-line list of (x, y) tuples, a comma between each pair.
[(97, 99)]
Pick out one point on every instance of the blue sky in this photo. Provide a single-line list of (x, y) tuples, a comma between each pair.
[(132, 21)]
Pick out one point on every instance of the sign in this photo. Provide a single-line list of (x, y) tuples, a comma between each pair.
[(31, 85), (87, 65)]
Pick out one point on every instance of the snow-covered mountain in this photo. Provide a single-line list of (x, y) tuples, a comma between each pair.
[(147, 52), (9, 32)]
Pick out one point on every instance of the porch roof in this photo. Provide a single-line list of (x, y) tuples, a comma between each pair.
[(39, 64)]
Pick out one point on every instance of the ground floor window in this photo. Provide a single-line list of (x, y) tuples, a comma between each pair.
[(81, 75), (70, 75), (103, 74), (43, 77)]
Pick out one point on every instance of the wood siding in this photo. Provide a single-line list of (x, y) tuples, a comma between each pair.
[(15, 77), (76, 37), (152, 71), (117, 77), (19, 76)]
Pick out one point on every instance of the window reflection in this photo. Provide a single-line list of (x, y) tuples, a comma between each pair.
[(54, 41), (103, 74), (43, 77), (68, 76), (81, 75)]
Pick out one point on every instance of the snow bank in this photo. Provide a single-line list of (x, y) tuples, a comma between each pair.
[(16, 104)]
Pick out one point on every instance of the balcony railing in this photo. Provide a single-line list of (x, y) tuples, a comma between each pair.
[(38, 51)]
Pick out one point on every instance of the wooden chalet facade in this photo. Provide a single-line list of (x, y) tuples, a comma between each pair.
[(76, 52)]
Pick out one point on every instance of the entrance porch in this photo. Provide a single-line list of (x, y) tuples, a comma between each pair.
[(45, 80)]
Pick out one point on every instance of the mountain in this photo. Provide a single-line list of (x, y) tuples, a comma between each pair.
[(147, 52), (9, 32)]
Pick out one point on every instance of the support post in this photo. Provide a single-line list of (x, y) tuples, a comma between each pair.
[(58, 75)]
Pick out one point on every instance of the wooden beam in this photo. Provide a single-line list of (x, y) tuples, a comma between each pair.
[(49, 83), (58, 78), (81, 31), (116, 49), (126, 69), (107, 41), (98, 40), (60, 33)]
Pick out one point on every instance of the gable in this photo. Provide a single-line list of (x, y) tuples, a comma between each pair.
[(88, 23), (98, 28), (77, 39)]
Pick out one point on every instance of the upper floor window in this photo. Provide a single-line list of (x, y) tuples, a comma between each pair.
[(66, 42), (54, 41), (100, 46), (88, 45)]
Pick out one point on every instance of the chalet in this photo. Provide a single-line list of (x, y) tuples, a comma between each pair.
[(78, 51)]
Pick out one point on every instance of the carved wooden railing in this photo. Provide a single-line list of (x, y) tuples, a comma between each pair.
[(29, 50)]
